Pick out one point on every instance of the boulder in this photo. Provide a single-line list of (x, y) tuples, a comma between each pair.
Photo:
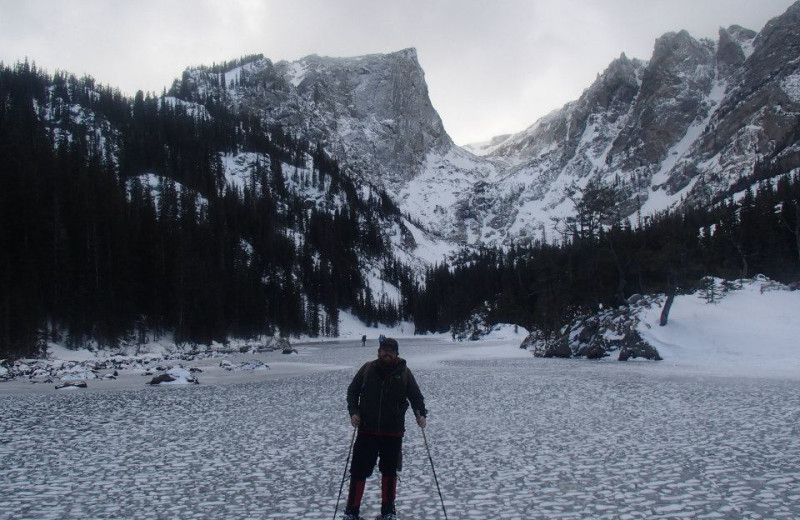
[(162, 378), (595, 350), (175, 376), (557, 349), (285, 346), (633, 299), (252, 365), (547, 346), (71, 385), (633, 346)]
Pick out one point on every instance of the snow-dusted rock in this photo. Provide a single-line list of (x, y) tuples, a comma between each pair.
[(251, 366), (286, 346), (71, 385), (595, 336), (175, 376)]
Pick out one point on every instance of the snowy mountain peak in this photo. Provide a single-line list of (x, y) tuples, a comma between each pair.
[(734, 47), (685, 127)]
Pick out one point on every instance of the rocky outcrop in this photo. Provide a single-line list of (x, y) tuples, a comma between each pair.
[(674, 84), (161, 378), (731, 48), (758, 118), (595, 336), (546, 346), (620, 131)]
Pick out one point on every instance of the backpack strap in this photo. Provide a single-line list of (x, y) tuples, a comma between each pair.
[(369, 367)]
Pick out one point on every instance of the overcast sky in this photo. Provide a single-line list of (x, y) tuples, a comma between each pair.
[(492, 67)]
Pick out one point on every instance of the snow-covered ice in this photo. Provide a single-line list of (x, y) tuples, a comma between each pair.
[(512, 437)]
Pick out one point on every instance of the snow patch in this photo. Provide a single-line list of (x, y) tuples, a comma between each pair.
[(297, 72), (791, 85), (350, 327)]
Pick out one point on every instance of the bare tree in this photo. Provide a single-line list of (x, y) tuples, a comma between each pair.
[(672, 289)]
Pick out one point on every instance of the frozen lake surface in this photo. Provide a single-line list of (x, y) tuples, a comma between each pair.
[(512, 437)]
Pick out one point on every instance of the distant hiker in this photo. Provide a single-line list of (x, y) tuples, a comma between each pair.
[(377, 400), (364, 340)]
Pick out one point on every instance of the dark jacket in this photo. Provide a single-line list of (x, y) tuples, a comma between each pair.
[(381, 397)]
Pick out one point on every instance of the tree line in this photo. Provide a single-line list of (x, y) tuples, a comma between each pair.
[(601, 259), (94, 251)]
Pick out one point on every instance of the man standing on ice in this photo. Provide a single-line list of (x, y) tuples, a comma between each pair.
[(377, 400)]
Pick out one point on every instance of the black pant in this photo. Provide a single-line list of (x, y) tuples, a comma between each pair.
[(367, 450)]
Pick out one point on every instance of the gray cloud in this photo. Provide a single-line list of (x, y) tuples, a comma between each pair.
[(492, 67)]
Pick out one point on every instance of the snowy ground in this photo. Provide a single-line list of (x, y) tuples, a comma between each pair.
[(513, 437)]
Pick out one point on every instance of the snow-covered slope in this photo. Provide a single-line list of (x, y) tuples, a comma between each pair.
[(732, 328), (486, 147), (751, 330)]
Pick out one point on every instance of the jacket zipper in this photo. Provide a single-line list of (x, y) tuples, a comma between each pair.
[(380, 401)]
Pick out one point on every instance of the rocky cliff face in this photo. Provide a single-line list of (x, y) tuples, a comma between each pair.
[(373, 112), (757, 124), (688, 126)]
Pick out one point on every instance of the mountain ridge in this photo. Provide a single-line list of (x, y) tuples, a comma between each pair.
[(663, 133)]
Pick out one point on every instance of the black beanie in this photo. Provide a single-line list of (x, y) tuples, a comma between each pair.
[(389, 343)]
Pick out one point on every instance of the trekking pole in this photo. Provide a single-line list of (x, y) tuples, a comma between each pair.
[(434, 471), (344, 475)]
